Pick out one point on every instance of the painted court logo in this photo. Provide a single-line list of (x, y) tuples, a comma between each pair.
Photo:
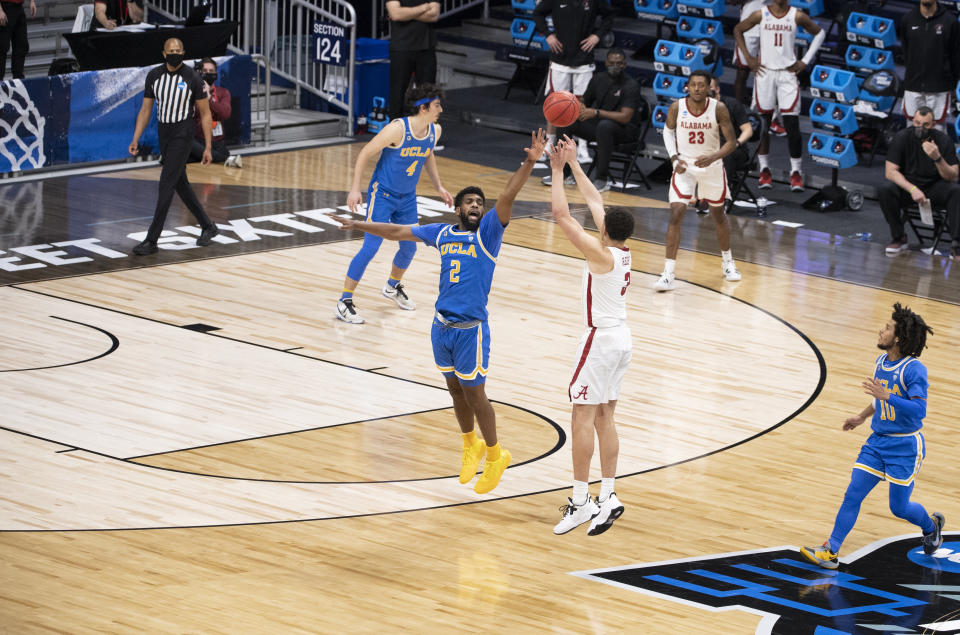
[(889, 586)]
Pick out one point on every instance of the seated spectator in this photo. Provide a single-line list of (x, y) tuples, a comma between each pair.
[(109, 14), (739, 158), (921, 165), (219, 111), (607, 115)]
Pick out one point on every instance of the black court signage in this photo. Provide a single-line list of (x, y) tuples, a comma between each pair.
[(331, 45), (889, 586)]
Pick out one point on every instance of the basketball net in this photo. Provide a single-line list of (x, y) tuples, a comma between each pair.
[(21, 140)]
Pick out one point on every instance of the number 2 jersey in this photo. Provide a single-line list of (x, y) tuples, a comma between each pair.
[(398, 170), (697, 135), (467, 261), (906, 378)]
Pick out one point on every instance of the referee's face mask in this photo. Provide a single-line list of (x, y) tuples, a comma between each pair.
[(173, 53)]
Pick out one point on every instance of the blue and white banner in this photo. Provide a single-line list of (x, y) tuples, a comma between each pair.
[(90, 116)]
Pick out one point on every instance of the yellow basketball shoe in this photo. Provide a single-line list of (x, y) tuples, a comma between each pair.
[(471, 459), (821, 556), (492, 471)]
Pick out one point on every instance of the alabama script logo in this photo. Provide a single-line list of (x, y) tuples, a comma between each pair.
[(888, 586)]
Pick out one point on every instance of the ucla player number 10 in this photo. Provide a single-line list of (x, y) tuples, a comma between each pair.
[(887, 412)]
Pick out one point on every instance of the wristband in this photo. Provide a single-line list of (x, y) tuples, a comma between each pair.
[(912, 188)]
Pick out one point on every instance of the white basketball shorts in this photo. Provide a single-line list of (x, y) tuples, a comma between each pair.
[(708, 184), (776, 88), (602, 360)]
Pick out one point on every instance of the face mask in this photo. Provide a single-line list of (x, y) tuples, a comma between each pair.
[(174, 59), (210, 77), (615, 71)]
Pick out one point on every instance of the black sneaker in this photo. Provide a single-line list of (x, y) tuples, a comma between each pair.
[(933, 540), (145, 248), (206, 236)]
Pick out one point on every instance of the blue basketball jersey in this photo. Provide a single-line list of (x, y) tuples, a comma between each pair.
[(907, 378), (467, 261), (398, 169)]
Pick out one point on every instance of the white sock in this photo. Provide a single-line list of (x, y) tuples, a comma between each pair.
[(796, 165), (764, 160), (581, 492), (606, 488), (727, 256), (669, 266)]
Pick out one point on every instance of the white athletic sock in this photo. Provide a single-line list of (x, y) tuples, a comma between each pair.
[(606, 488), (727, 256), (764, 160), (796, 165), (669, 266), (581, 492)]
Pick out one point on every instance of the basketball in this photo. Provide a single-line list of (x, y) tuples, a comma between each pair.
[(561, 108)]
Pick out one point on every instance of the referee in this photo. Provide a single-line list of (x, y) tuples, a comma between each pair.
[(176, 88)]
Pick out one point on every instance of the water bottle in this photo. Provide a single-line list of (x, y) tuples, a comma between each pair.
[(361, 124)]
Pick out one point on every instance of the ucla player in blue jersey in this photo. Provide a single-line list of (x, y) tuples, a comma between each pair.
[(406, 147), (896, 448), (460, 333)]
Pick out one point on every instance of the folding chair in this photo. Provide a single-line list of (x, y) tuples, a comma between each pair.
[(739, 189), (936, 232), (625, 156)]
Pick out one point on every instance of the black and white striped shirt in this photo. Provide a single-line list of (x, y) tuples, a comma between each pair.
[(174, 93)]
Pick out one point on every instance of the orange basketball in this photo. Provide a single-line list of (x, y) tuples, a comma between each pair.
[(561, 108)]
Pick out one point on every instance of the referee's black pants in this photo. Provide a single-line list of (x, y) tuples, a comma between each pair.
[(173, 178), (14, 31), (421, 64)]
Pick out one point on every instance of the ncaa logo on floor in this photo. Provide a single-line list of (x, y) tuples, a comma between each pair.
[(890, 585)]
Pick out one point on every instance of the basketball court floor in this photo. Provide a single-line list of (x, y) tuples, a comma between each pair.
[(192, 442)]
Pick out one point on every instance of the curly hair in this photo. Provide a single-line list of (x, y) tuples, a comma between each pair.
[(910, 330), (418, 92), (619, 224), (470, 189)]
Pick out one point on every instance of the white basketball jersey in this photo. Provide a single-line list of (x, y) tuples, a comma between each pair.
[(697, 135), (777, 39), (749, 8), (604, 295)]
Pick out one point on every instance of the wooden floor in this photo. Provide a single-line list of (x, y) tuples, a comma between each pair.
[(270, 469)]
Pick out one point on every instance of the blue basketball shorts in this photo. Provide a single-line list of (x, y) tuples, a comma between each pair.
[(462, 353), (893, 458), (388, 207)]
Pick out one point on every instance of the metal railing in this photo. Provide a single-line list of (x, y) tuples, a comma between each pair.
[(278, 34), (381, 28)]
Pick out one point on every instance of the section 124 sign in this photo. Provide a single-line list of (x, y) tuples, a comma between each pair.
[(330, 43)]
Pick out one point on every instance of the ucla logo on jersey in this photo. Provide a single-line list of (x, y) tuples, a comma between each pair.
[(458, 249), (883, 589), (415, 152)]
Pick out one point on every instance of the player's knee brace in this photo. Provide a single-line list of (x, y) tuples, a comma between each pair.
[(405, 254), (371, 244), (792, 125)]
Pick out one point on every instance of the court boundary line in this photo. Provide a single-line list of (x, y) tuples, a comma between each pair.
[(813, 396)]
